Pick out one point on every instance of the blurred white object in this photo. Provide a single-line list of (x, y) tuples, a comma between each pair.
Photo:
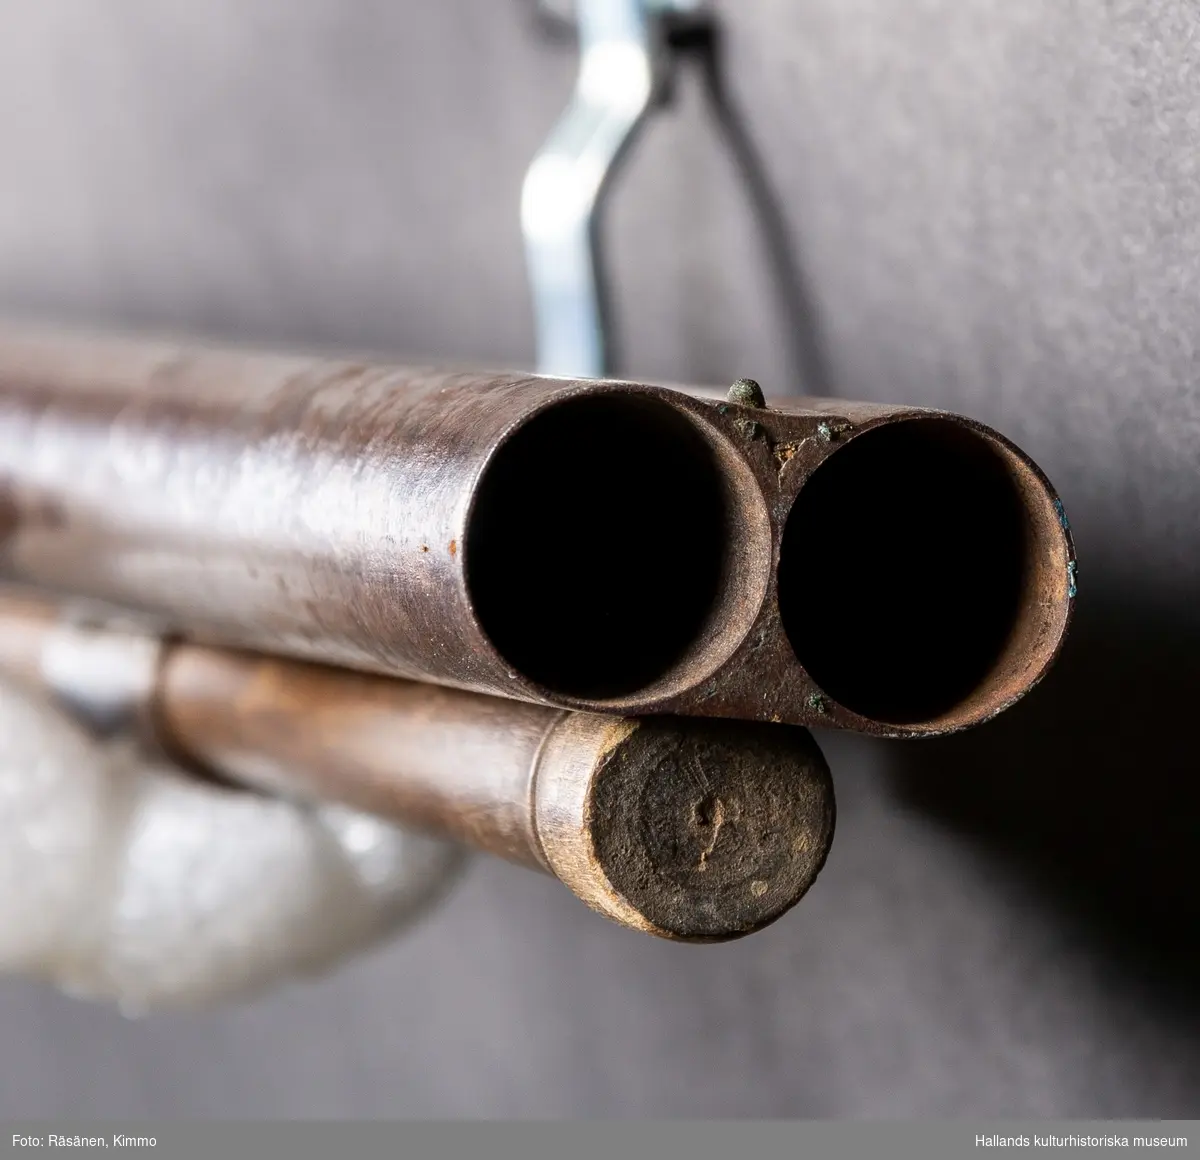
[(124, 879)]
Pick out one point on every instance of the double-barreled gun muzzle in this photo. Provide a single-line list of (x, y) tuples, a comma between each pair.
[(601, 546)]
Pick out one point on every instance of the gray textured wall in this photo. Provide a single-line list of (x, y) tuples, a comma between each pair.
[(994, 206)]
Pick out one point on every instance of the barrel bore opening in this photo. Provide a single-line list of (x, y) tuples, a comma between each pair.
[(598, 548), (912, 579)]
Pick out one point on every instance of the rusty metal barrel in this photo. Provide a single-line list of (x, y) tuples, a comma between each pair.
[(603, 546)]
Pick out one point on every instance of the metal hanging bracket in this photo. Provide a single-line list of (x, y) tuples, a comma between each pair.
[(625, 63)]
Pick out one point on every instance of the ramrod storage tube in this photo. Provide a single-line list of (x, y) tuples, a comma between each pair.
[(603, 546), (698, 831)]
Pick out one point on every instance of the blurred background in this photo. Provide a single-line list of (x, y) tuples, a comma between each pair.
[(985, 205)]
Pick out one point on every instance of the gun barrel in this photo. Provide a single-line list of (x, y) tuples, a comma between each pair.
[(600, 546)]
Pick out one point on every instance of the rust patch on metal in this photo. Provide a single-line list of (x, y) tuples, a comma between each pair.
[(831, 430), (41, 514), (785, 452), (10, 517)]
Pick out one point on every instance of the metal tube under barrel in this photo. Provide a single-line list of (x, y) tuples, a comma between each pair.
[(692, 830)]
